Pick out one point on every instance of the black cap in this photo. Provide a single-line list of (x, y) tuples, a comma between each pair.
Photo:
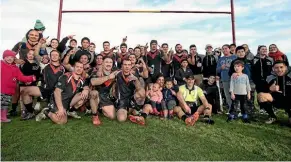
[(190, 77)]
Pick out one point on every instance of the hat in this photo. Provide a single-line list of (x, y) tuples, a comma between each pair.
[(190, 77), (7, 53), (39, 25), (208, 45), (153, 41)]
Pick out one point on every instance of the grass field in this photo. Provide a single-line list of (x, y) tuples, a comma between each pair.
[(159, 140)]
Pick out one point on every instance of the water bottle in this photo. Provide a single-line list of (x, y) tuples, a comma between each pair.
[(153, 69)]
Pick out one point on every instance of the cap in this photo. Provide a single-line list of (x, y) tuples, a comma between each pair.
[(190, 77), (208, 45)]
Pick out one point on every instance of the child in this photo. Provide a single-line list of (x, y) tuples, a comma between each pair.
[(155, 95), (211, 93), (10, 73), (169, 99), (240, 91), (30, 67), (183, 72)]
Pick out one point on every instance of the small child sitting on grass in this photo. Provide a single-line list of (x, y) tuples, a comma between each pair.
[(155, 95), (169, 99)]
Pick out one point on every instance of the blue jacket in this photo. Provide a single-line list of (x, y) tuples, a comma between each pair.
[(224, 72)]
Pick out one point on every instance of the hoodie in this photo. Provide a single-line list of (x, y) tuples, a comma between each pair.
[(10, 74), (284, 82), (209, 64), (224, 72), (262, 68)]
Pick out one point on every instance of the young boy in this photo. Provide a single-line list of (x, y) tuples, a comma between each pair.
[(211, 93), (240, 92), (241, 55), (169, 99), (10, 74), (181, 73)]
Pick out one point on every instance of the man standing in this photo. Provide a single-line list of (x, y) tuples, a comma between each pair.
[(209, 62), (178, 57), (167, 70), (195, 64), (232, 49), (122, 55), (154, 61), (262, 68), (223, 66)]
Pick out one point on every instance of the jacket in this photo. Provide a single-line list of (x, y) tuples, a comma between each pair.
[(224, 72), (209, 64), (260, 70), (10, 74), (180, 74), (284, 82)]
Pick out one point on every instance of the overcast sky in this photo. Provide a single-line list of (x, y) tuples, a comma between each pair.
[(258, 22)]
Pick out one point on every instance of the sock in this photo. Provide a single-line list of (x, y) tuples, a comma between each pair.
[(206, 116), (144, 115), (29, 107), (46, 112), (72, 109), (268, 107), (184, 117), (245, 116), (14, 106)]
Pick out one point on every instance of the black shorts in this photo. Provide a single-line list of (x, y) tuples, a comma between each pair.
[(105, 100), (45, 93), (193, 106), (125, 103), (280, 101), (53, 106)]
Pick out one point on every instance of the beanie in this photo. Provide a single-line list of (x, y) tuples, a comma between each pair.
[(7, 53), (153, 41), (39, 25)]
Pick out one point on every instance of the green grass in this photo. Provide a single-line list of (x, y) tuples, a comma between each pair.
[(159, 140)]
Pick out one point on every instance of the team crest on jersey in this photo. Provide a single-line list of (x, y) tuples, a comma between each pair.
[(268, 63), (59, 83), (288, 83)]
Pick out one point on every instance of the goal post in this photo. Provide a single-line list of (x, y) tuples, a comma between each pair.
[(231, 13)]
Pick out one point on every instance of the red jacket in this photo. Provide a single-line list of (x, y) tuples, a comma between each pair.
[(10, 74)]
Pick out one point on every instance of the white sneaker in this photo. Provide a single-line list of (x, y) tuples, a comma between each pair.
[(239, 115), (74, 115), (37, 107), (41, 115)]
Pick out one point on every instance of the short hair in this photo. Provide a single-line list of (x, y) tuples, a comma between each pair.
[(106, 42), (177, 45), (260, 46), (232, 45), (78, 62), (55, 51), (239, 62), (165, 44), (126, 59), (169, 80), (280, 62), (73, 40), (239, 48), (226, 45), (192, 45), (184, 60), (93, 44), (136, 48), (107, 57), (85, 38), (123, 45), (130, 48)]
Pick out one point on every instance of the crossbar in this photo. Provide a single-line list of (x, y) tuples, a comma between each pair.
[(61, 11)]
